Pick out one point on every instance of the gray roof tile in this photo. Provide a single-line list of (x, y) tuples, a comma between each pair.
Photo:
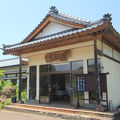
[(55, 13), (73, 31)]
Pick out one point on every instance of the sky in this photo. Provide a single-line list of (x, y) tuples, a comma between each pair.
[(19, 17)]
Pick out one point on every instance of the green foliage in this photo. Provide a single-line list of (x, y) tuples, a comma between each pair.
[(17, 91), (24, 95), (1, 105), (1, 73), (4, 83), (7, 102)]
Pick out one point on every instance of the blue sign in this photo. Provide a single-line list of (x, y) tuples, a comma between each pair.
[(80, 84)]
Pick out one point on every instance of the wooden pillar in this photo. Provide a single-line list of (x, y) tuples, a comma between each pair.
[(71, 99), (97, 78), (37, 83), (20, 76), (28, 85)]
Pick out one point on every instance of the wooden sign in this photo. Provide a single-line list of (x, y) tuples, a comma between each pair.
[(58, 56)]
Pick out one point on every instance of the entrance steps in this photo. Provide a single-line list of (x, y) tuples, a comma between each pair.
[(32, 101), (70, 114)]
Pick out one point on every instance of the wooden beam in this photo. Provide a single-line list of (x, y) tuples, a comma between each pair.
[(106, 41)]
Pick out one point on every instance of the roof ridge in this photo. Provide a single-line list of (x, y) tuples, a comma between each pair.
[(73, 17), (60, 15)]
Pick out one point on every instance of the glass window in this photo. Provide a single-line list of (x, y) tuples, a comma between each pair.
[(44, 68), (91, 65), (60, 67), (77, 65), (44, 85)]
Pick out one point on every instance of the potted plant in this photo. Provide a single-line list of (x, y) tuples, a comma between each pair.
[(13, 99)]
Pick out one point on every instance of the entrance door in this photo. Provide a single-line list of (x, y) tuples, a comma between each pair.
[(60, 88), (44, 88), (32, 83)]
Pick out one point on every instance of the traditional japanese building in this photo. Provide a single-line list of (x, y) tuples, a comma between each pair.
[(68, 55)]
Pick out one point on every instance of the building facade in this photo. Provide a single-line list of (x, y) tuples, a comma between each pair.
[(71, 59)]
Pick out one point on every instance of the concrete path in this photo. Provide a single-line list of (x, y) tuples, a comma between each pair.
[(11, 115), (56, 113)]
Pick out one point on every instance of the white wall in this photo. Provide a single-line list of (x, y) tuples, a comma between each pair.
[(116, 55), (107, 50), (113, 80), (53, 28), (111, 52)]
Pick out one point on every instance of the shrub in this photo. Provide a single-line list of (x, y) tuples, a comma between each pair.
[(1, 105), (24, 95), (7, 102), (8, 92)]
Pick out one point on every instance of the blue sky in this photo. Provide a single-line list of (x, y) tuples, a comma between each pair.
[(19, 17)]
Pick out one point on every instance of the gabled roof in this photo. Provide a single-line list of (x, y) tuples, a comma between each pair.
[(78, 25), (55, 15), (53, 36)]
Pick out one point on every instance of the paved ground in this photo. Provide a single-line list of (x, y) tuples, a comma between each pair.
[(11, 115)]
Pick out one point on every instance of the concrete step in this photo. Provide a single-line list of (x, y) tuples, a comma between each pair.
[(62, 112), (31, 101)]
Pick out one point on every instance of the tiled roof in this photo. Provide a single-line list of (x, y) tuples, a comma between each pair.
[(55, 13), (9, 62), (58, 35)]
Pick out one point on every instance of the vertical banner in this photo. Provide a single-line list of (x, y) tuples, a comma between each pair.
[(80, 84)]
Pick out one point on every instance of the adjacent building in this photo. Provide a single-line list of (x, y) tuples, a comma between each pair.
[(68, 55), (10, 68)]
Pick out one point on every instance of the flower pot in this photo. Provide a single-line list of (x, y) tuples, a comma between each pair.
[(13, 99)]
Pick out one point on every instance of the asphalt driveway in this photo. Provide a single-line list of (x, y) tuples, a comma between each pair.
[(11, 115)]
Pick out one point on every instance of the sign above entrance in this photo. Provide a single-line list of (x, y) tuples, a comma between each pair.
[(58, 56)]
